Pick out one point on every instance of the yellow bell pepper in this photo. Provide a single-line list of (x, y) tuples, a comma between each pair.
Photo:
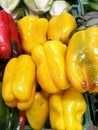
[(37, 114), (82, 60), (66, 110), (50, 61), (19, 84), (32, 32), (61, 27)]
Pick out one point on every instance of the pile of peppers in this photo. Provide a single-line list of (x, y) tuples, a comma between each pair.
[(51, 67)]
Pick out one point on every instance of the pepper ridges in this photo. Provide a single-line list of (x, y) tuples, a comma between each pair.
[(19, 88)]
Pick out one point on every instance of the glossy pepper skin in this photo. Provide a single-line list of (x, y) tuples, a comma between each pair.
[(66, 110), (37, 114), (10, 44), (19, 83), (50, 61), (5, 46), (82, 60), (61, 27), (32, 31), (15, 38)]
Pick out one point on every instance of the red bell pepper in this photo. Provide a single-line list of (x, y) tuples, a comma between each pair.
[(15, 38), (5, 46), (10, 44)]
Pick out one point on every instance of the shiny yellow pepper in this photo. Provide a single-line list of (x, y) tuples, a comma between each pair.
[(66, 110), (32, 31), (50, 61), (82, 60), (61, 27), (19, 84), (37, 114)]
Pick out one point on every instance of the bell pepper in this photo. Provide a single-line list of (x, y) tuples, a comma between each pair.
[(82, 60), (15, 38), (32, 31), (66, 110), (5, 46), (10, 44), (37, 114), (61, 27), (19, 82), (50, 61)]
